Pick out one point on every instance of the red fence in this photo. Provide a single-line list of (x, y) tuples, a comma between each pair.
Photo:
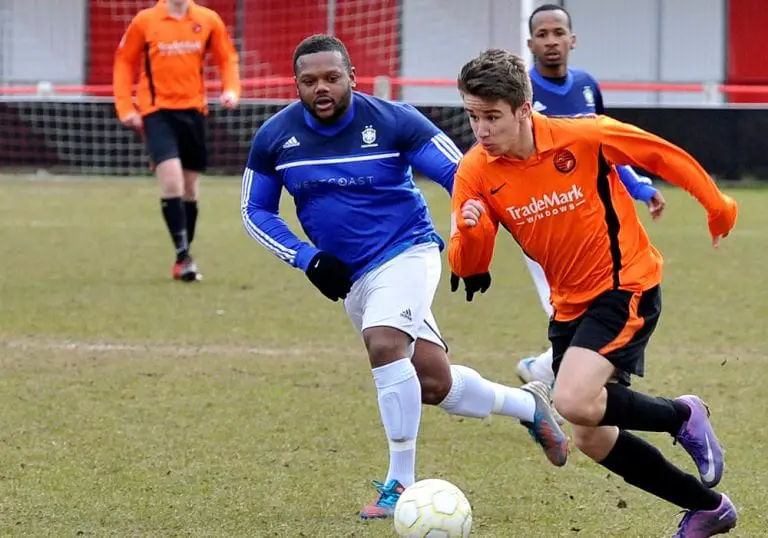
[(267, 33), (747, 21)]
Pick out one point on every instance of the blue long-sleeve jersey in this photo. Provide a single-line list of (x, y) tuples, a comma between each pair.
[(578, 93), (352, 182)]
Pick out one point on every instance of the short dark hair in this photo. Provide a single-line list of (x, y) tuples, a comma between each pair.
[(548, 7), (321, 43), (497, 74)]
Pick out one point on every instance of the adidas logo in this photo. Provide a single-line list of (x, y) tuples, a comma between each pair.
[(292, 143), (407, 314)]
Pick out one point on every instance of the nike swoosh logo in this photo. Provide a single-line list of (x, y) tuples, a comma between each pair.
[(709, 476), (497, 189)]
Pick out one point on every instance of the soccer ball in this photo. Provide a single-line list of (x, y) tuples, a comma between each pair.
[(433, 508)]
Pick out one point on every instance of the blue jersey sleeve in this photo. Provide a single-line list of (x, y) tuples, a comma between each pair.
[(639, 187), (427, 148), (599, 104), (260, 202)]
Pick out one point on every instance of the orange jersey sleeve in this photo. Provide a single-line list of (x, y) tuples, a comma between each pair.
[(123, 73), (626, 144), (226, 57), (470, 250)]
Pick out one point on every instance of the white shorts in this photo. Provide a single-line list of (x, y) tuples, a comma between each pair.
[(399, 294), (542, 286)]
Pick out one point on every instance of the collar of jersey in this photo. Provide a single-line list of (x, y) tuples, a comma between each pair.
[(331, 130), (551, 87), (163, 4), (542, 136)]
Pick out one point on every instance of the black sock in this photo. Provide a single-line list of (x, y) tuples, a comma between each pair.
[(190, 208), (175, 219), (643, 466), (630, 410)]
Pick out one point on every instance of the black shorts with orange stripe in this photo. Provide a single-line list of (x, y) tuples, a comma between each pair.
[(617, 325)]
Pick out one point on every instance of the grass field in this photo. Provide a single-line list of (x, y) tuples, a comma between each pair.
[(131, 405)]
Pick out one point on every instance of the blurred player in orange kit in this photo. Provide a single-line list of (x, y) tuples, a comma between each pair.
[(172, 39), (552, 183)]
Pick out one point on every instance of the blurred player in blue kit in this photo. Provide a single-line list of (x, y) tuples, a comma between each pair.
[(346, 159), (559, 90)]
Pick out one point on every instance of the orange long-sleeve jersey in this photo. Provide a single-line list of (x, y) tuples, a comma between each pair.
[(172, 53), (568, 210)]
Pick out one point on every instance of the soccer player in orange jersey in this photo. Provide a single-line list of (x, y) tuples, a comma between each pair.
[(559, 90), (552, 183), (172, 39)]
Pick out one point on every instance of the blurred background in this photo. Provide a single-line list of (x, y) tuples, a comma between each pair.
[(686, 69)]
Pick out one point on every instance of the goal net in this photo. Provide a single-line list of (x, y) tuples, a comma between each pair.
[(56, 70)]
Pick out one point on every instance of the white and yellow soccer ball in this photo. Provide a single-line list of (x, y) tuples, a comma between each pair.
[(433, 508)]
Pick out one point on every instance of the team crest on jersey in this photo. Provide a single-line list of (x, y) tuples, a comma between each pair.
[(369, 137), (565, 161), (589, 95), (197, 27)]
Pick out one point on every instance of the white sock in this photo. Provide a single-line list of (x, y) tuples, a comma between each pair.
[(400, 407), (542, 286), (472, 395), (541, 367)]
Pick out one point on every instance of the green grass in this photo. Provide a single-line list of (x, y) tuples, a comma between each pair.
[(131, 405)]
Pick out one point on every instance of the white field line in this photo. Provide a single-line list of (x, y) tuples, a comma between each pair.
[(169, 349)]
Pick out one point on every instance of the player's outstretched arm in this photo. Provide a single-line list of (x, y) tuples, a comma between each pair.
[(227, 59), (625, 144), (473, 237), (428, 149), (639, 187), (123, 74)]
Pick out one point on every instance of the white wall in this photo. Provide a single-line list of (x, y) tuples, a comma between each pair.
[(42, 40), (439, 36), (652, 40), (617, 40)]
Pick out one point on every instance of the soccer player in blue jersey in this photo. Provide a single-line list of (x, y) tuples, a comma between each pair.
[(346, 159), (559, 90)]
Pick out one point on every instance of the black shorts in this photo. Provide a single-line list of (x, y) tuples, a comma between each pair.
[(172, 134), (617, 325)]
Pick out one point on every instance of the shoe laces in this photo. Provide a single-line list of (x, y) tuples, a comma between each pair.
[(388, 494), (684, 522), (687, 440)]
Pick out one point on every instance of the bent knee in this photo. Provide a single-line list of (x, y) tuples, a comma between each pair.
[(386, 345), (434, 388), (434, 371), (191, 182), (575, 408), (595, 443)]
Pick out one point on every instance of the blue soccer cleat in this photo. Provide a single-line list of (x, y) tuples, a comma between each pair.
[(383, 506)]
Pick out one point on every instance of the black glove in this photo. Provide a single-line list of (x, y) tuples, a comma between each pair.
[(329, 275), (472, 284)]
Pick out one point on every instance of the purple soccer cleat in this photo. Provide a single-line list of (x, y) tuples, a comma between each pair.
[(706, 523), (698, 438)]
